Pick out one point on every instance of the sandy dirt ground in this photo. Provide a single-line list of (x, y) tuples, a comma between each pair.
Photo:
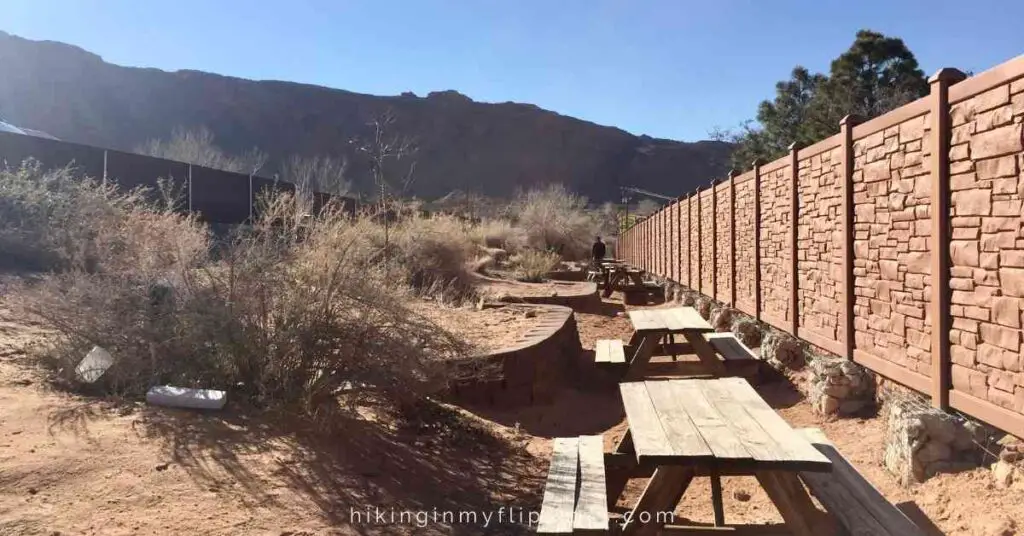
[(76, 465)]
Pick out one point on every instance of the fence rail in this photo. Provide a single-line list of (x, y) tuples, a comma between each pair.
[(216, 196), (897, 243)]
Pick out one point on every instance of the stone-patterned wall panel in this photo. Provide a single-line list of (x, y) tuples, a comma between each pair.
[(659, 243), (892, 239), (723, 261), (707, 258), (694, 261), (987, 249), (683, 239), (820, 243), (776, 216), (745, 254)]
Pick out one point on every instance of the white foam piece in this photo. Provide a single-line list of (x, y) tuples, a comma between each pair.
[(93, 365), (184, 397)]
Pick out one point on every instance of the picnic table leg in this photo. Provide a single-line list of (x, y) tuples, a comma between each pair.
[(792, 500), (716, 497), (617, 477), (641, 357), (706, 353), (661, 495)]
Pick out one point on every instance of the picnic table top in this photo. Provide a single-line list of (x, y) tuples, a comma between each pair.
[(720, 423), (675, 319)]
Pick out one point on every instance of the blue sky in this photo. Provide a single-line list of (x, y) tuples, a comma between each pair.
[(666, 68)]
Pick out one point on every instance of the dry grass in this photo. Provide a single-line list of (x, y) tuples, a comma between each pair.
[(533, 266), (291, 313)]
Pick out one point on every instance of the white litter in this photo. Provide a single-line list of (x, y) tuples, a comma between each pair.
[(183, 397), (93, 365)]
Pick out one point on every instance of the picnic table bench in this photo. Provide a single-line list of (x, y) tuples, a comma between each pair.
[(655, 330)]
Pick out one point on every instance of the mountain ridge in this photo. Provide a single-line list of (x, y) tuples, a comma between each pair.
[(488, 148)]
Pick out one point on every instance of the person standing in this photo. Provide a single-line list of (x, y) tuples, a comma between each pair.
[(598, 250)]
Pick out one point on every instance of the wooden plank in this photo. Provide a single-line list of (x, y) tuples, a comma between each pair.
[(687, 319), (850, 497), (729, 347), (682, 434), (796, 451), (713, 429), (642, 320), (661, 495), (609, 351), (591, 514), (556, 511), (616, 352), (646, 432), (741, 424)]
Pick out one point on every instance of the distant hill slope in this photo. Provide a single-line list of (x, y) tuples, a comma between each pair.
[(491, 149)]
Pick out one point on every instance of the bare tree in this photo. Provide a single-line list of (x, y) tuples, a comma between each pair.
[(197, 146), (385, 150), (309, 174)]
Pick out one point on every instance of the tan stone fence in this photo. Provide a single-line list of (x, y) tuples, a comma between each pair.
[(897, 243)]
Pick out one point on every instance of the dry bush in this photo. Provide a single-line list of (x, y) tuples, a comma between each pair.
[(555, 219), (197, 146), (533, 266), (60, 220), (500, 234), (295, 312), (431, 254)]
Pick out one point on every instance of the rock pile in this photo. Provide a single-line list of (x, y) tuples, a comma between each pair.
[(839, 386), (747, 331), (921, 441), (722, 319), (783, 351)]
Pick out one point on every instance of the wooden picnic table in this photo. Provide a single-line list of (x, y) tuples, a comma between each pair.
[(652, 327), (679, 429)]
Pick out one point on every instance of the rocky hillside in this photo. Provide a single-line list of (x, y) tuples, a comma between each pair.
[(491, 149)]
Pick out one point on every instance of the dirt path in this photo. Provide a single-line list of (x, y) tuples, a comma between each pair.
[(82, 466)]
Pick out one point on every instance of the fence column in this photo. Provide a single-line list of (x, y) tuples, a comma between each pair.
[(679, 239), (846, 287), (732, 238), (700, 247), (714, 241), (794, 269), (938, 164), (757, 239)]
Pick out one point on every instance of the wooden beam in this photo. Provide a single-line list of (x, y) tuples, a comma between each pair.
[(794, 200), (700, 247), (757, 239), (938, 164), (846, 286)]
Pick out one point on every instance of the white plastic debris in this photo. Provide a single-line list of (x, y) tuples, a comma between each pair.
[(183, 397), (93, 365)]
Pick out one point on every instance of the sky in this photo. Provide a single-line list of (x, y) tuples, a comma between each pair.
[(673, 69)]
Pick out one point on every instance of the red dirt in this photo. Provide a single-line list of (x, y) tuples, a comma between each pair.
[(87, 466)]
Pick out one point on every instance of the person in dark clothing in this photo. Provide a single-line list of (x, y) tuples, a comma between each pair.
[(598, 250)]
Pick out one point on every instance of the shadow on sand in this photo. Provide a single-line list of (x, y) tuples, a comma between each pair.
[(361, 464)]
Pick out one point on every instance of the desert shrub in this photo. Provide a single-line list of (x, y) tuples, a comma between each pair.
[(747, 331), (60, 220), (533, 266), (294, 313), (555, 219), (500, 234), (433, 254)]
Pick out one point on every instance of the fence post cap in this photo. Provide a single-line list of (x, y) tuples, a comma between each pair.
[(850, 120), (793, 147), (947, 74)]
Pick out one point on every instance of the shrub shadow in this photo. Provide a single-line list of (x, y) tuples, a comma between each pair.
[(573, 412), (360, 465)]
